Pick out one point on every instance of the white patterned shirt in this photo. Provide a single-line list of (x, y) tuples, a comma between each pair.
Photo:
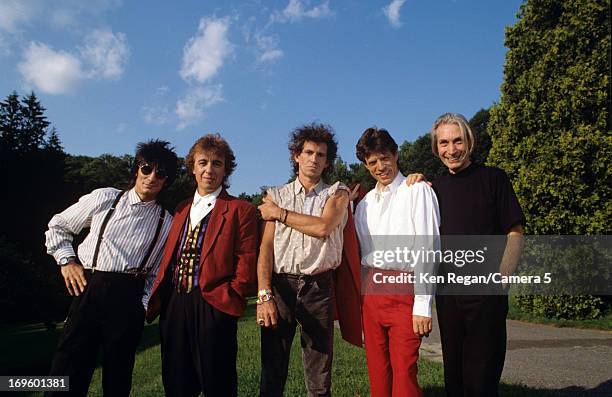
[(296, 252)]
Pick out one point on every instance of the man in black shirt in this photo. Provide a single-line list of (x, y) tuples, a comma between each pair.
[(474, 200)]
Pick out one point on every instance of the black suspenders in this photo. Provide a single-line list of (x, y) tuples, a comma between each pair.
[(162, 215), (94, 262), (145, 259)]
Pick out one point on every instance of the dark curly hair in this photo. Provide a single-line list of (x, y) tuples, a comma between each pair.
[(374, 140), (318, 133), (156, 152), (218, 145)]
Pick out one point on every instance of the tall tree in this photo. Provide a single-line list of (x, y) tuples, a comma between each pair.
[(480, 127), (32, 166), (551, 129), (11, 123), (417, 157), (53, 143), (35, 124)]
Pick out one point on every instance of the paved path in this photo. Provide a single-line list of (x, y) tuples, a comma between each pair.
[(573, 362)]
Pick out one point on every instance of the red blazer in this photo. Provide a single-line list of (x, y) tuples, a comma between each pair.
[(228, 262), (347, 283)]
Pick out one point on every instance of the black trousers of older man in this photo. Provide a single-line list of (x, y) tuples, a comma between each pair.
[(198, 346), (109, 316), (473, 336)]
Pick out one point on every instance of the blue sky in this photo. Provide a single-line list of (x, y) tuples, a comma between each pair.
[(112, 73)]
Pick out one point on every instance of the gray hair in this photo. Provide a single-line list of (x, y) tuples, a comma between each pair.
[(466, 132)]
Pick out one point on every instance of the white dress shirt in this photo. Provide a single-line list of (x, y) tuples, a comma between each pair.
[(202, 205), (127, 237), (389, 212)]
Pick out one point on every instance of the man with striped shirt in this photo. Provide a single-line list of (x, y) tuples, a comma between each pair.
[(112, 277)]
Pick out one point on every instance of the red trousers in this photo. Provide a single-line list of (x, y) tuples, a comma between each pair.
[(392, 348)]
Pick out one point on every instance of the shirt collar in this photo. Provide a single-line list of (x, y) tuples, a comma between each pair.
[(134, 198), (392, 187), (299, 188), (206, 199)]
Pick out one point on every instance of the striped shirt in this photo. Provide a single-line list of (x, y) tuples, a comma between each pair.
[(128, 235)]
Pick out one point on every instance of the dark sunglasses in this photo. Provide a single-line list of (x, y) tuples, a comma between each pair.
[(146, 169)]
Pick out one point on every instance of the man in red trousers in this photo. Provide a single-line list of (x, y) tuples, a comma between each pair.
[(395, 316)]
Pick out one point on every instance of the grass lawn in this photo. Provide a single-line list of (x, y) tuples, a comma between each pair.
[(28, 350), (603, 323)]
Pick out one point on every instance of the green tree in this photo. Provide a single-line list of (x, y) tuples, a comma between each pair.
[(53, 143), (32, 164), (359, 174), (35, 124), (339, 172), (551, 130), (11, 123), (417, 157), (23, 124), (480, 127)]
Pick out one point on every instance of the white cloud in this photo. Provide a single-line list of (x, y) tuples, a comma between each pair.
[(156, 114), (267, 48), (103, 56), (50, 71), (106, 53), (203, 57), (15, 13), (270, 55), (204, 54), (392, 11), (296, 11), (190, 108), (69, 13)]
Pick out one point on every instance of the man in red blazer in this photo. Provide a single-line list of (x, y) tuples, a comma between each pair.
[(207, 269)]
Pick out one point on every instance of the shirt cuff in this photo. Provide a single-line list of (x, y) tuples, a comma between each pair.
[(63, 253), (422, 305)]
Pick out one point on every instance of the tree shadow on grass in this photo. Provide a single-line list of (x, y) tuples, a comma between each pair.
[(29, 350), (604, 389)]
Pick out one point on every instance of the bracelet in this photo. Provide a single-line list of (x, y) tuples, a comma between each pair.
[(281, 215), (264, 297), (264, 292), (285, 218)]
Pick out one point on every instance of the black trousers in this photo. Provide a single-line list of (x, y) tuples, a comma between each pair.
[(198, 347), (109, 315), (308, 301), (473, 335)]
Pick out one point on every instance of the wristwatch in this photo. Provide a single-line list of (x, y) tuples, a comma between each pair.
[(66, 260), (264, 295)]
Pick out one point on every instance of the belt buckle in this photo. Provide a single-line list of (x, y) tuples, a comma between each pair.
[(134, 272)]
